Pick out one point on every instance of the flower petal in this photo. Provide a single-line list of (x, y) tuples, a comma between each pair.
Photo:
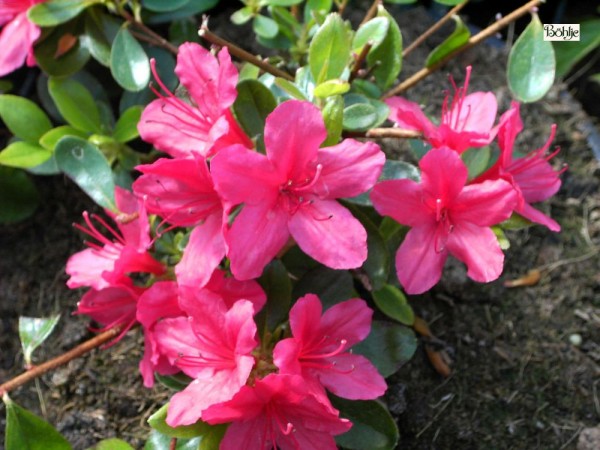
[(530, 213), (349, 320), (16, 40), (407, 114), (157, 302), (402, 200), (443, 174), (485, 204), (475, 113), (354, 378)]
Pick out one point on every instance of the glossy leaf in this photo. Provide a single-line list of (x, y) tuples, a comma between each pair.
[(100, 32), (515, 222), (33, 331), (129, 63), (183, 30), (316, 8), (24, 155), (253, 104), (278, 287), (388, 346), (66, 64), (392, 302), (164, 6), (329, 51), (55, 12), (459, 37), (287, 22), (25, 430), (177, 382), (360, 117), (75, 104), (386, 58), (290, 88), (373, 32), (51, 138), (242, 15), (381, 109), (333, 115), (112, 444), (19, 197), (200, 429), (159, 441), (531, 64), (477, 160), (283, 2), (126, 126), (569, 53), (85, 164), (331, 87), (23, 118), (373, 427), (265, 27), (332, 286), (192, 8)]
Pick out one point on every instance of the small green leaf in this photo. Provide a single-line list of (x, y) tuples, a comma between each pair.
[(24, 155), (164, 6), (76, 104), (33, 331), (159, 441), (100, 32), (373, 427), (477, 160), (332, 286), (290, 88), (253, 104), (199, 429), (25, 430), (51, 138), (569, 53), (5, 86), (318, 9), (386, 58), (360, 117), (382, 110), (531, 63), (126, 126), (459, 37), (283, 2), (265, 27), (129, 63), (55, 12), (331, 87), (243, 15), (373, 32), (177, 382), (24, 119), (515, 222), (449, 2), (277, 285), (392, 302), (68, 63), (388, 346), (192, 8), (183, 30), (329, 51), (333, 115), (85, 164), (19, 197), (112, 444)]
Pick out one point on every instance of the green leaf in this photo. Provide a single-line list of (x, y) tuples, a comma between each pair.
[(23, 118), (33, 331), (18, 195), (329, 51), (253, 104), (129, 63), (243, 15), (159, 441), (265, 27), (51, 138), (333, 115), (331, 87), (85, 164), (332, 286), (388, 346), (381, 109), (283, 2), (373, 32), (502, 239), (386, 58), (360, 117), (126, 126), (449, 2), (316, 8), (515, 222), (531, 64), (112, 444), (76, 104), (290, 88), (569, 53), (68, 63), (392, 302), (288, 24), (278, 287), (24, 155), (192, 8), (477, 160), (55, 12), (373, 427), (459, 37), (100, 32), (177, 382), (206, 432), (25, 430), (164, 6), (5, 86), (183, 30)]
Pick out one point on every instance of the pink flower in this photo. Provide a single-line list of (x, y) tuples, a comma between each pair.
[(320, 349), (532, 175), (214, 346), (109, 262), (467, 122), (204, 125), (18, 35), (446, 217), (278, 412), (292, 190), (182, 192)]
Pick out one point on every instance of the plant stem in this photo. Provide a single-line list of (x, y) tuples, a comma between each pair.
[(61, 360), (474, 40), (359, 60), (241, 54), (434, 28), (151, 37), (393, 133), (371, 12)]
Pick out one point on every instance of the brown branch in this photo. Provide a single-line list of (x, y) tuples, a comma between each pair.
[(151, 36), (474, 40), (242, 54), (371, 12), (359, 60), (61, 360), (434, 28), (393, 133)]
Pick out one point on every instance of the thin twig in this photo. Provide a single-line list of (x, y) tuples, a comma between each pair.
[(236, 51), (434, 28), (393, 133), (61, 360), (151, 36), (371, 12), (359, 60), (474, 40)]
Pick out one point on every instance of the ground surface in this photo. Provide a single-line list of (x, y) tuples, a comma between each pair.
[(517, 380)]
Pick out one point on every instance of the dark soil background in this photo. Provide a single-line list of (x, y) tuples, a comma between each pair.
[(520, 378)]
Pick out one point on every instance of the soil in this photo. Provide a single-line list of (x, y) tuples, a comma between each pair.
[(525, 361)]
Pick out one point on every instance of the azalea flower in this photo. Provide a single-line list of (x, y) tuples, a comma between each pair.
[(467, 120), (277, 412), (532, 175), (320, 349), (446, 217), (17, 36), (108, 262), (291, 191), (205, 123)]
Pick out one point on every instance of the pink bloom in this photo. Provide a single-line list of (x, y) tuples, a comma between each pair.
[(182, 192), (277, 412), (446, 217), (18, 35), (292, 190), (204, 125), (214, 346), (532, 175), (320, 349), (467, 122), (108, 262)]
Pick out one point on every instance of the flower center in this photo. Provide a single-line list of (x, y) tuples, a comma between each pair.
[(444, 226), (296, 193)]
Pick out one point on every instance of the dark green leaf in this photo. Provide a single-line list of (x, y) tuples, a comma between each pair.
[(177, 382), (68, 63), (76, 104), (51, 138), (477, 160), (48, 167), (55, 12), (329, 51), (18, 195), (392, 302), (365, 88), (100, 32), (112, 444), (25, 430), (388, 346), (126, 126), (164, 6), (283, 2), (373, 32), (381, 109), (359, 117), (333, 115), (373, 428), (531, 63), (317, 8), (183, 30), (158, 441), (277, 285), (386, 58), (85, 164), (5, 86), (243, 15), (265, 27), (199, 429), (192, 8), (297, 262), (24, 155), (129, 63), (516, 222), (401, 2), (449, 2), (253, 104), (23, 118), (331, 286), (305, 81), (569, 53), (288, 25), (459, 37), (331, 87)]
